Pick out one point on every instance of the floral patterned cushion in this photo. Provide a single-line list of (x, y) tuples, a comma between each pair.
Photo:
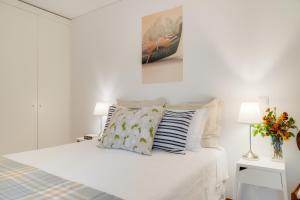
[(132, 129)]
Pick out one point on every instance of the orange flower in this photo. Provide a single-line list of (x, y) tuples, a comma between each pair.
[(285, 136), (265, 118), (275, 127), (285, 116), (281, 134)]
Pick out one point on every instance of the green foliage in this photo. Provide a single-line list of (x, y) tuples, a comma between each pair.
[(276, 126), (134, 109), (124, 126), (125, 138), (151, 131), (155, 110), (144, 115), (143, 140), (113, 126), (134, 126)]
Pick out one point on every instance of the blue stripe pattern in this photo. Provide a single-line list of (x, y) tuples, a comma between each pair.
[(111, 111), (172, 131)]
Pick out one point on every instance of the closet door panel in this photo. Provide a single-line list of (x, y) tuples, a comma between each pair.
[(54, 83), (18, 80)]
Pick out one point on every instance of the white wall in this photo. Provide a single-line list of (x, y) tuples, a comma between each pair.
[(234, 49)]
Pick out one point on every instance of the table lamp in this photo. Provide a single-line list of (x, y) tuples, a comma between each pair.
[(250, 114), (101, 109)]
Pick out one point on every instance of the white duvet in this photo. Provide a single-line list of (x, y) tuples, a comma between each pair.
[(196, 175)]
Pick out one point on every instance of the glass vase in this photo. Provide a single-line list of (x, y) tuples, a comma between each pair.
[(277, 143)]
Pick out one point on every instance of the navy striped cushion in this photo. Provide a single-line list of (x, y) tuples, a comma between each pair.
[(172, 131), (111, 111)]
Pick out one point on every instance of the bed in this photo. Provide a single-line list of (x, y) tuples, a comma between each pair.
[(194, 176)]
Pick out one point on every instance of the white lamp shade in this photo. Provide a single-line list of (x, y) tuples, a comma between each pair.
[(249, 113), (101, 109)]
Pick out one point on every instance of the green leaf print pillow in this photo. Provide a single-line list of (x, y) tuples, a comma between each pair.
[(132, 129)]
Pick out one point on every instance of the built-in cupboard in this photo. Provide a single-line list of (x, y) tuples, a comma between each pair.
[(34, 78)]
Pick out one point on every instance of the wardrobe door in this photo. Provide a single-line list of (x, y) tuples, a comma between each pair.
[(18, 80), (54, 83)]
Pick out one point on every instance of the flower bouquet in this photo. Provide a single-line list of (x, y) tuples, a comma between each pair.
[(279, 128)]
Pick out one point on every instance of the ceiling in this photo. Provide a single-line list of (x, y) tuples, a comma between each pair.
[(70, 8)]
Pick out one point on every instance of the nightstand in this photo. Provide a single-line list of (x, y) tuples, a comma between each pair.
[(263, 172), (81, 139)]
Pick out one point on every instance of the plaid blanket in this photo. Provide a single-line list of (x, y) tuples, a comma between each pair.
[(22, 182)]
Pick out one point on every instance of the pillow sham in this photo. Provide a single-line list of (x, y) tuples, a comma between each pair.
[(171, 135), (196, 130), (132, 129), (143, 103), (211, 134)]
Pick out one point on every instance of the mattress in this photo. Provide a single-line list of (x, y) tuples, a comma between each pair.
[(162, 176)]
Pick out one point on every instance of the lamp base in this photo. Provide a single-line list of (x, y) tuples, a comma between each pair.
[(250, 156)]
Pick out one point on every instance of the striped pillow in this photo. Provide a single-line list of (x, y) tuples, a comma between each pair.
[(111, 111), (172, 131)]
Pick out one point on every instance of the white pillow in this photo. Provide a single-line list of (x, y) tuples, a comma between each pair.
[(196, 130), (142, 103), (211, 134)]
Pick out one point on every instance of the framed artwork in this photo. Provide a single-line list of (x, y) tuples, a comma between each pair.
[(162, 50)]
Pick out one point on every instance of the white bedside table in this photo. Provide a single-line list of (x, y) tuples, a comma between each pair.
[(264, 173)]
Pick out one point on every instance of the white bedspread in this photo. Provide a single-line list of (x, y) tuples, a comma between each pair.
[(132, 176)]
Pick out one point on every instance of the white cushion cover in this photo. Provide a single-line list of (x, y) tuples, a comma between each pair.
[(132, 129), (196, 130)]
